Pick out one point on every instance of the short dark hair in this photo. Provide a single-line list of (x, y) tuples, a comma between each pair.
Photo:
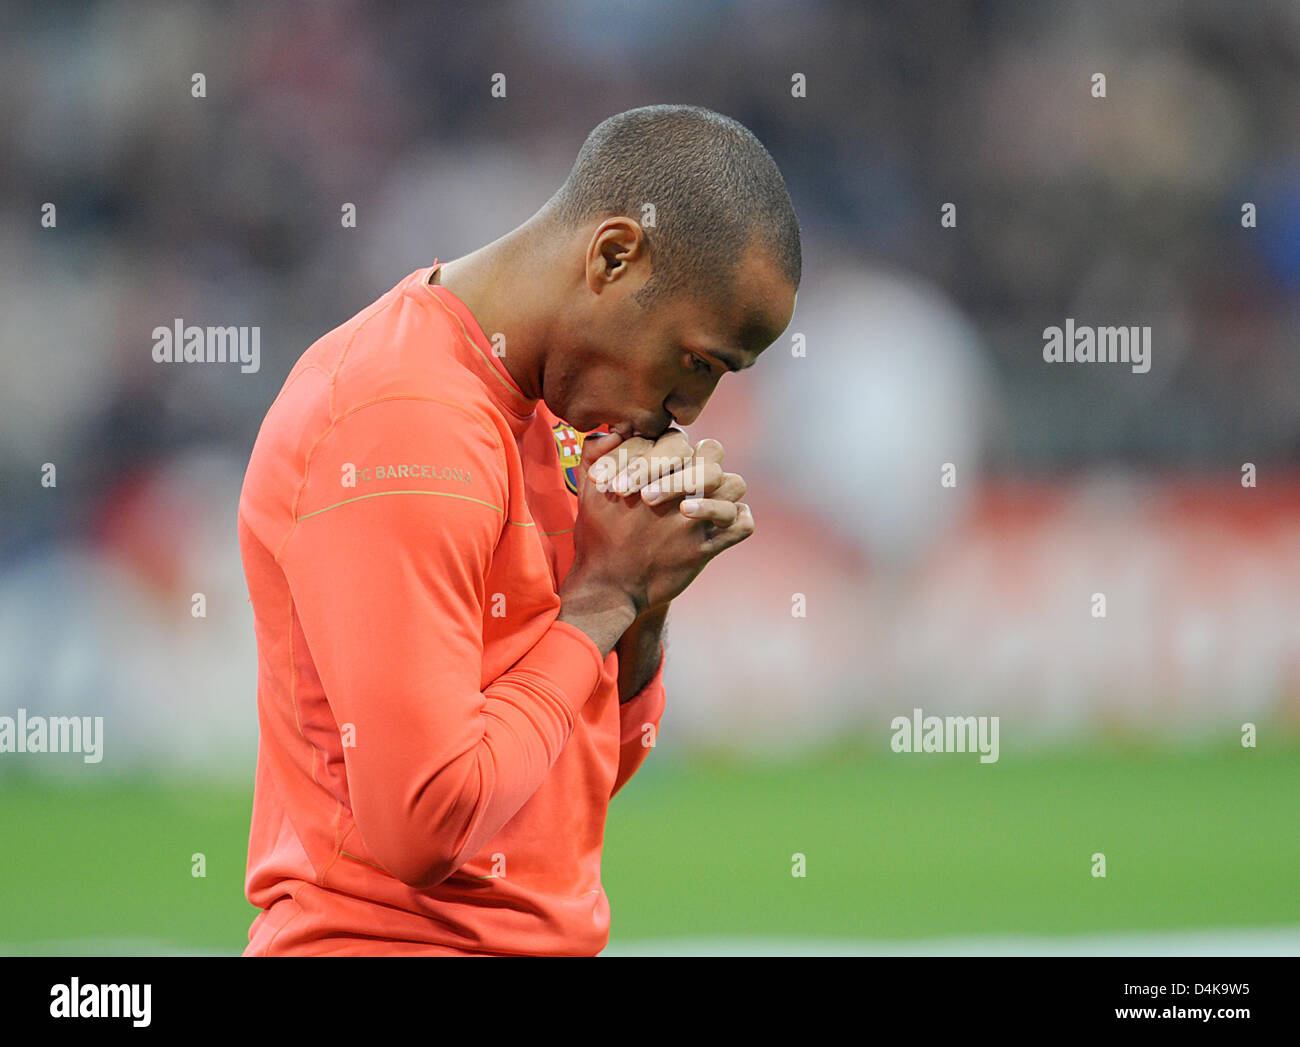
[(713, 186)]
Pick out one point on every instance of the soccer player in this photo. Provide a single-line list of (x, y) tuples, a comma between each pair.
[(459, 603)]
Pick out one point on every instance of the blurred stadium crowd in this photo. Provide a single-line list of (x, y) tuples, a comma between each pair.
[(924, 343)]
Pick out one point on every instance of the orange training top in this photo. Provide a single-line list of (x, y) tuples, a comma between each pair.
[(437, 752)]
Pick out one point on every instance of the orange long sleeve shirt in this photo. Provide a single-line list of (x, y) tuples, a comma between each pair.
[(437, 751)]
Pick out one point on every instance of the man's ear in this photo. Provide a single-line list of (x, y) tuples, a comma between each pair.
[(617, 251)]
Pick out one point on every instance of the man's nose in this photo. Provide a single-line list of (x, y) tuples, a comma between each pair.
[(684, 411), (684, 416)]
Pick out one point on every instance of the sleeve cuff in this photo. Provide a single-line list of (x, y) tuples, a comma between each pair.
[(572, 660)]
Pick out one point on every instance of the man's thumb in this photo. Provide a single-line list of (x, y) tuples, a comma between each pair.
[(594, 447), (597, 445)]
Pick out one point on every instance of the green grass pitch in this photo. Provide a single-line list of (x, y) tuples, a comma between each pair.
[(897, 847)]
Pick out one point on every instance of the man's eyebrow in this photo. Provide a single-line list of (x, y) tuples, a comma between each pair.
[(730, 360)]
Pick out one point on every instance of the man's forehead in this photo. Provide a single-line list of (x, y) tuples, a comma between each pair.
[(740, 326), (766, 300), (738, 345), (761, 327), (763, 317)]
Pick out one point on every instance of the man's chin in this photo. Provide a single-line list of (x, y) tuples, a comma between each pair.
[(586, 423)]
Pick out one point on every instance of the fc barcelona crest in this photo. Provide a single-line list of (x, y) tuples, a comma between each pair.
[(568, 441)]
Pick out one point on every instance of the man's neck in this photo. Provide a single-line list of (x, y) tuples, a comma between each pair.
[(506, 299)]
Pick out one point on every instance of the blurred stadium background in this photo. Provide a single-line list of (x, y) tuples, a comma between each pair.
[(924, 346)]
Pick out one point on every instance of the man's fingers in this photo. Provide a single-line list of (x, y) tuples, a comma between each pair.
[(613, 456), (698, 478), (672, 445), (593, 448), (709, 451), (731, 487), (638, 461), (716, 511), (719, 538), (701, 467)]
